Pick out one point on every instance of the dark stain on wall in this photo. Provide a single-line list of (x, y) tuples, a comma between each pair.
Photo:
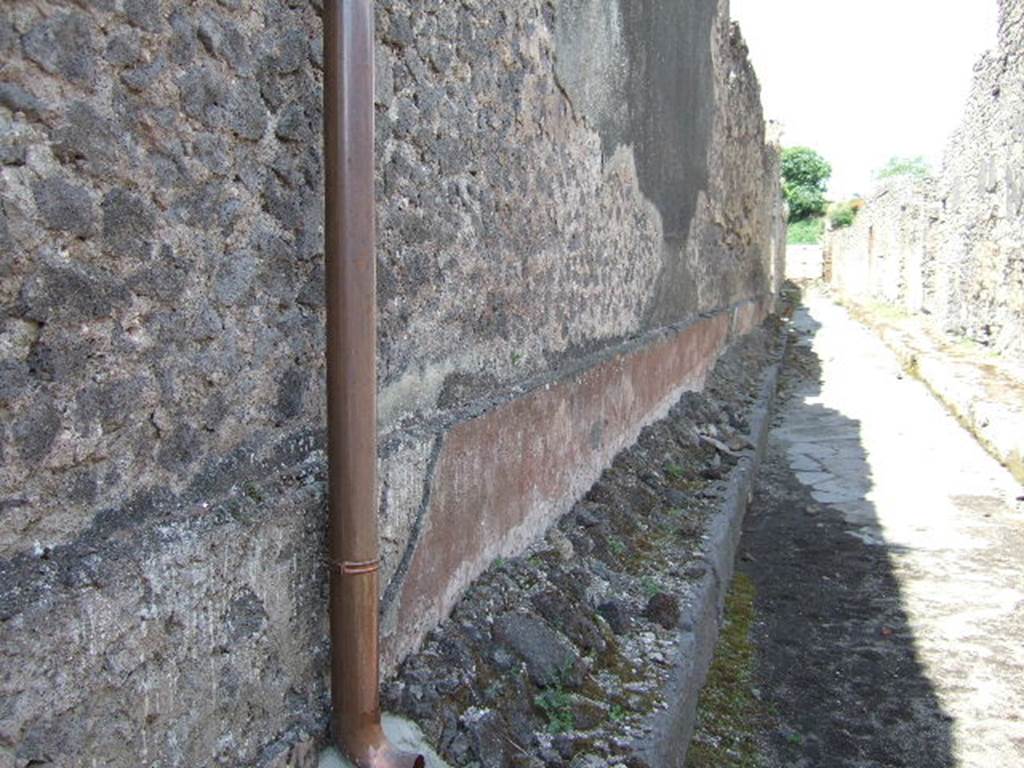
[(641, 74)]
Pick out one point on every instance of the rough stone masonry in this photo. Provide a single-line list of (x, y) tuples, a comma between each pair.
[(577, 211), (951, 246)]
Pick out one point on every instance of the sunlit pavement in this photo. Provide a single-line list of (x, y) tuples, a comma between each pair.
[(875, 445)]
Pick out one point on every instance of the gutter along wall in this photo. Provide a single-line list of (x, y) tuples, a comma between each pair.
[(576, 209)]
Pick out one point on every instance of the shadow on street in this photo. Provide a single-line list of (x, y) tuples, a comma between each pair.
[(838, 664)]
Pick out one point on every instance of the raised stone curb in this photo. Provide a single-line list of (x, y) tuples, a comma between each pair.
[(701, 613), (986, 397), (964, 390)]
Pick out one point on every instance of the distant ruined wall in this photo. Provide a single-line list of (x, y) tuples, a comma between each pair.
[(882, 256), (577, 211), (954, 246)]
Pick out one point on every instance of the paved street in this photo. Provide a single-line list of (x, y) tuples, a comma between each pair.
[(887, 549)]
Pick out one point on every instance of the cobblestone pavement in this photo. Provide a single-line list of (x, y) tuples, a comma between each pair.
[(886, 547)]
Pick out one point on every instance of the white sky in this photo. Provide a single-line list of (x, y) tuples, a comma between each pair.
[(863, 80)]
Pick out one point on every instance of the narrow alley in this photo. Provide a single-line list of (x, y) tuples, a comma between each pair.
[(885, 549), (423, 384)]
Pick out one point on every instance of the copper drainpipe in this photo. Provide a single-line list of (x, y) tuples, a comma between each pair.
[(352, 386)]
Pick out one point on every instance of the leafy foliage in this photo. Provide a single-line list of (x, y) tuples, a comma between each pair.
[(904, 166), (804, 176), (842, 214), (556, 705), (805, 167), (804, 202), (806, 232)]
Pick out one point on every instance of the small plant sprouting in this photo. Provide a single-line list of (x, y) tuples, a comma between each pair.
[(499, 563), (516, 357), (651, 587), (253, 492), (616, 546), (674, 471), (617, 713), (556, 705)]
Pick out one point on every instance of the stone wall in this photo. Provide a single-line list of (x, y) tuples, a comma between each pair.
[(883, 256), (953, 247), (577, 210)]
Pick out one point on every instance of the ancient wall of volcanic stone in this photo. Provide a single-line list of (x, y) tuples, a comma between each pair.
[(577, 209), (885, 256), (954, 246)]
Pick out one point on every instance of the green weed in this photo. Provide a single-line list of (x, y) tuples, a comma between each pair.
[(650, 586), (674, 471)]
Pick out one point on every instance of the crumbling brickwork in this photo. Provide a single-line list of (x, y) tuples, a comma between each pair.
[(161, 375), (952, 246)]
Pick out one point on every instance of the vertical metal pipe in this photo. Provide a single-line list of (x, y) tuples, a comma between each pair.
[(352, 384)]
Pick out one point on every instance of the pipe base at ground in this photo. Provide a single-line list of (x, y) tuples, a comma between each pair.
[(402, 734)]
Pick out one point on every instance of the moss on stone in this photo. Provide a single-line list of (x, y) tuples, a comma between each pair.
[(728, 713)]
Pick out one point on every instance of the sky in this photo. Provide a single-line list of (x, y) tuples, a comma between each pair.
[(861, 81)]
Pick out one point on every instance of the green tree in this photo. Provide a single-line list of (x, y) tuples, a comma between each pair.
[(904, 166), (804, 176)]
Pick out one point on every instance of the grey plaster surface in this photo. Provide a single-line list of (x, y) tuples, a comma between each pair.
[(877, 447)]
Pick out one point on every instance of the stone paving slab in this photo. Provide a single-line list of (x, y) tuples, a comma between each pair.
[(983, 391), (887, 555)]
